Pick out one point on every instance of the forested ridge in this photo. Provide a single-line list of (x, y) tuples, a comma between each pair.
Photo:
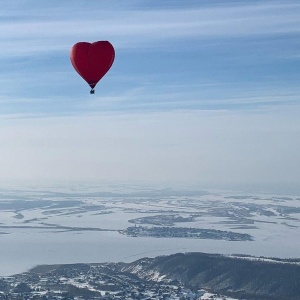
[(240, 277)]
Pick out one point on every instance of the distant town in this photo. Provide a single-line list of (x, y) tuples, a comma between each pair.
[(91, 281)]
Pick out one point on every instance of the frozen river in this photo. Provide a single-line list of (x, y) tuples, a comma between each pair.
[(55, 227)]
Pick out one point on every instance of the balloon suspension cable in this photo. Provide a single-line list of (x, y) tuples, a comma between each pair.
[(92, 91)]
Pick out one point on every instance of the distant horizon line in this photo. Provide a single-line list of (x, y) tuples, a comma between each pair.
[(286, 188)]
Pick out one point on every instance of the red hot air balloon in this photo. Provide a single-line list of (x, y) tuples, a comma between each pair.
[(92, 61)]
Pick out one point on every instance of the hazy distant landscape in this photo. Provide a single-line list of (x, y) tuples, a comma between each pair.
[(123, 223)]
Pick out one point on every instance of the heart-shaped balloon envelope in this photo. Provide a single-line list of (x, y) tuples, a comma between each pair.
[(92, 60)]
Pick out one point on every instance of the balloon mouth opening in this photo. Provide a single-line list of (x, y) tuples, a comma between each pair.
[(92, 85)]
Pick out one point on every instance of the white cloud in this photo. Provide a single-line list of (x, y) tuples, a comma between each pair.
[(56, 28)]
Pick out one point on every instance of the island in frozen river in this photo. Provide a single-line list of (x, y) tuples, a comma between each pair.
[(99, 224)]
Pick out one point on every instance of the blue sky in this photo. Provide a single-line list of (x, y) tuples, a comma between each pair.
[(201, 92)]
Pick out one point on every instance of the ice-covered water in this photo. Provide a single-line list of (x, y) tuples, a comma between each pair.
[(44, 226)]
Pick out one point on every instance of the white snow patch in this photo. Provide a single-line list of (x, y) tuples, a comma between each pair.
[(210, 296)]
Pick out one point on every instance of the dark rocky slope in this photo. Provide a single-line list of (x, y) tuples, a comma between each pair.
[(239, 277)]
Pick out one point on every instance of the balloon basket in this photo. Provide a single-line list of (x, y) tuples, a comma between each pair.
[(92, 91)]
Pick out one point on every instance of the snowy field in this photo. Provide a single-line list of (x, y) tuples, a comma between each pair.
[(82, 224)]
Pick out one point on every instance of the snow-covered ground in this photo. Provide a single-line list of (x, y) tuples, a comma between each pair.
[(80, 224), (210, 296)]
